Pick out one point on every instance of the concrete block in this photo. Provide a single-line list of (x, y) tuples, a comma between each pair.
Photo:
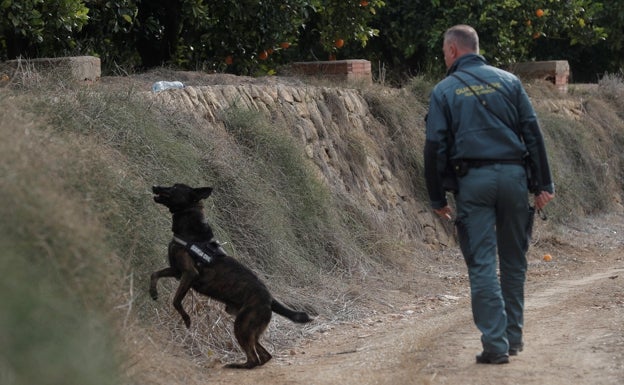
[(81, 68), (555, 71)]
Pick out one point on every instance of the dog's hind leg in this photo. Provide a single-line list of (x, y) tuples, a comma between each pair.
[(247, 342), (248, 327), (263, 354), (168, 272)]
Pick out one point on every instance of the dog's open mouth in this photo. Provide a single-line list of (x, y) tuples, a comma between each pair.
[(160, 194), (160, 197)]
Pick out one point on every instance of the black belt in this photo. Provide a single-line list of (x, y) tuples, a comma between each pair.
[(473, 163)]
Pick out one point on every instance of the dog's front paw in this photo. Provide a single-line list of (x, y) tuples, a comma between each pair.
[(187, 321)]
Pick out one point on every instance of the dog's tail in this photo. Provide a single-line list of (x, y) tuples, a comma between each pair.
[(295, 316)]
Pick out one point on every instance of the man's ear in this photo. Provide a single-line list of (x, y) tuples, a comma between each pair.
[(202, 192), (453, 50)]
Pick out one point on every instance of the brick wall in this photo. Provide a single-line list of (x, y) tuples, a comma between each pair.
[(357, 69)]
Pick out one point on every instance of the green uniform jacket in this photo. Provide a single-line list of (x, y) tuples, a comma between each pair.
[(460, 128)]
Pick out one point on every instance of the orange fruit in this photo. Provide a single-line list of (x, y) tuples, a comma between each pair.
[(539, 12), (339, 43), (363, 3), (285, 45), (547, 258), (229, 60), (528, 23), (263, 55), (537, 35)]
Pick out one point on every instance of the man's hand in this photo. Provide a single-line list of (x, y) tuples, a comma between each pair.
[(445, 212), (542, 199)]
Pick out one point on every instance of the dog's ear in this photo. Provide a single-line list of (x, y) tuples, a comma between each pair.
[(202, 192)]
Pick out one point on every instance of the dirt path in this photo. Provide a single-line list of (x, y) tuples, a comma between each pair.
[(574, 334)]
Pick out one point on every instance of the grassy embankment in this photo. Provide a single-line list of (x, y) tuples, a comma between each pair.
[(80, 233)]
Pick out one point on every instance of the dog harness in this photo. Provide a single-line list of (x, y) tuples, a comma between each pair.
[(202, 251)]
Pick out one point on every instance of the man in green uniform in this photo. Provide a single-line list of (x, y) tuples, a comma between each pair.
[(481, 130)]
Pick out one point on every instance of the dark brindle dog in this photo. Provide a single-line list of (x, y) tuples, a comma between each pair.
[(208, 270)]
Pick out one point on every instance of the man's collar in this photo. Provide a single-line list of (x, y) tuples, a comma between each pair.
[(469, 57)]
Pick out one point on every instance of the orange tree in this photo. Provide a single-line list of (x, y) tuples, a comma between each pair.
[(238, 36), (411, 31), (248, 36), (591, 61), (255, 37), (332, 25)]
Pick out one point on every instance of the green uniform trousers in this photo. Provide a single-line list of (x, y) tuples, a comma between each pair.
[(493, 215)]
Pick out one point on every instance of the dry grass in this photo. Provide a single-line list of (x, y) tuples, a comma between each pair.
[(584, 137), (401, 114), (56, 262), (611, 89)]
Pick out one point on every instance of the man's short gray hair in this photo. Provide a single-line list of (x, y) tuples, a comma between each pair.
[(464, 36)]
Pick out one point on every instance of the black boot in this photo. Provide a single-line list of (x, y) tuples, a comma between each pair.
[(492, 358)]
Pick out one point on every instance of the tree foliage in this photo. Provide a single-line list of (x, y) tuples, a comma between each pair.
[(237, 35), (256, 37), (39, 27), (244, 36), (510, 30), (110, 32)]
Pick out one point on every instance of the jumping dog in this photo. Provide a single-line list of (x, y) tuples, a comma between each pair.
[(197, 260)]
